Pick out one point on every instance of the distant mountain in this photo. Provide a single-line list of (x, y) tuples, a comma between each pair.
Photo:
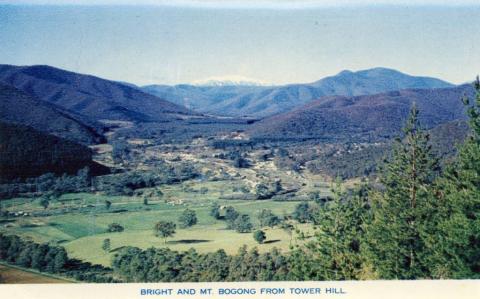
[(364, 118), (25, 152), (227, 83), (201, 98), (88, 95), (261, 101), (17, 107)]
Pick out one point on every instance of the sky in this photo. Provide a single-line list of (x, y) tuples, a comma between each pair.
[(272, 42)]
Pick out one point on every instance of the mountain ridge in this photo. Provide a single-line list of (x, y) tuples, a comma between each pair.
[(90, 95), (18, 107), (364, 118), (264, 101)]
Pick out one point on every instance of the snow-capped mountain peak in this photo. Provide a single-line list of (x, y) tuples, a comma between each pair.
[(229, 81)]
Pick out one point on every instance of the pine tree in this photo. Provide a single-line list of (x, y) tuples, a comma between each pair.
[(402, 212), (336, 252), (456, 245)]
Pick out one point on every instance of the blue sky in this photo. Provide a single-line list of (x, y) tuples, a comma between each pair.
[(269, 41)]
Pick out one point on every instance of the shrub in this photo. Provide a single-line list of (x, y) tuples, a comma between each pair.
[(259, 236), (115, 227)]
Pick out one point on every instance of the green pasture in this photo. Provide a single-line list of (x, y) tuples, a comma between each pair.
[(82, 219)]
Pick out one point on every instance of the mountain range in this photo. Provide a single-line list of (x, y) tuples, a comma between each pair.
[(364, 118), (262, 101), (365, 105), (56, 110), (90, 96)]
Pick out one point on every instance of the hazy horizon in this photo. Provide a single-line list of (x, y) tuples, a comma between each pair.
[(177, 44)]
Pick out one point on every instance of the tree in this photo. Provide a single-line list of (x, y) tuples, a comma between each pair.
[(108, 204), (302, 212), (455, 245), (230, 216), (60, 260), (242, 224), (259, 236), (188, 218), (277, 186), (106, 245), (165, 229), (261, 191), (115, 227), (120, 151), (44, 202), (267, 218), (337, 250), (215, 210), (402, 212)]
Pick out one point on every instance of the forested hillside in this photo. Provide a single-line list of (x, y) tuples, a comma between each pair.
[(88, 95), (17, 107), (364, 118), (25, 152)]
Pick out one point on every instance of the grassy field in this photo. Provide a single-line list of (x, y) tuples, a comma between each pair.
[(79, 221), (14, 275), (82, 232), (202, 238)]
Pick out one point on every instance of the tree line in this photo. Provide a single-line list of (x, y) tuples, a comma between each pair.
[(51, 259), (164, 265)]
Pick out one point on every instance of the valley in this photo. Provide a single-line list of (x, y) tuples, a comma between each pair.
[(79, 221), (113, 172)]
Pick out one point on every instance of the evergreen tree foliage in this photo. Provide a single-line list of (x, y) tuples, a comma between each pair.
[(402, 212), (336, 251), (456, 243)]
